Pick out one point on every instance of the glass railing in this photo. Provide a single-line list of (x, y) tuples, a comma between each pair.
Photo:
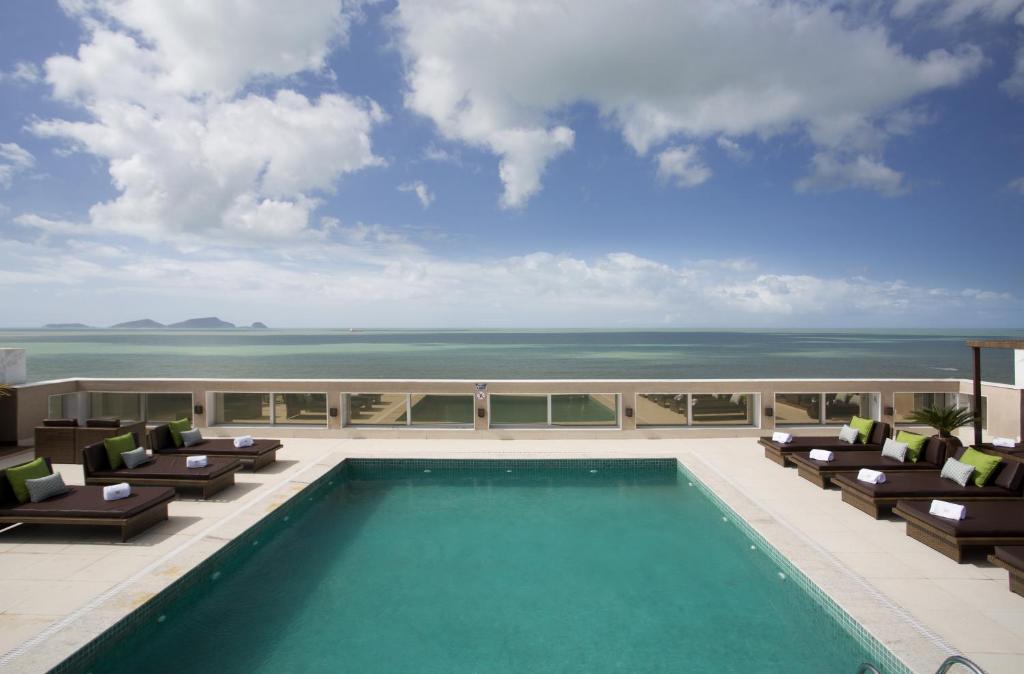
[(247, 409), (662, 409), (557, 409), (409, 409), (723, 409), (805, 409)]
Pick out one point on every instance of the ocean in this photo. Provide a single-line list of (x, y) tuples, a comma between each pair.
[(505, 354)]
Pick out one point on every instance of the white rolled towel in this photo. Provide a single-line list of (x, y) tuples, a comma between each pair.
[(1007, 443), (117, 491), (243, 441), (871, 476), (822, 455), (198, 461), (779, 436), (950, 511)]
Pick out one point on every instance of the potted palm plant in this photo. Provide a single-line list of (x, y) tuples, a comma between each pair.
[(945, 420)]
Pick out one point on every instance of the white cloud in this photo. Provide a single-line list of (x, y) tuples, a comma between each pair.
[(23, 72), (188, 155), (485, 71), (830, 172), (1017, 185), (732, 148), (420, 189), (14, 159), (368, 274), (682, 166)]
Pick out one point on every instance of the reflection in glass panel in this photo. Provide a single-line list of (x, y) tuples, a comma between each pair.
[(967, 400), (661, 409), (908, 402), (723, 409), (519, 410), (242, 408), (797, 408), (841, 407), (123, 406), (585, 409), (377, 409), (442, 409), (55, 407), (300, 409), (162, 407)]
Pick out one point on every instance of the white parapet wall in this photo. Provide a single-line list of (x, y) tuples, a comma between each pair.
[(12, 366), (1018, 368)]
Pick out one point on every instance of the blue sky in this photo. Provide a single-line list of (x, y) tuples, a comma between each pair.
[(508, 164)]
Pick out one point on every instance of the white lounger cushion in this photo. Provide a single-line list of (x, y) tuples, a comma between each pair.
[(894, 450), (848, 434), (956, 471)]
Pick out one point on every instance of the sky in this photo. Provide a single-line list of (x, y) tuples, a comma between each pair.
[(521, 163)]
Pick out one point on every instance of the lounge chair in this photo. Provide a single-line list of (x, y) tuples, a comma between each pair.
[(875, 499), (261, 453), (987, 524), (163, 471), (779, 452), (1015, 453), (62, 440), (85, 506), (933, 455), (1011, 558)]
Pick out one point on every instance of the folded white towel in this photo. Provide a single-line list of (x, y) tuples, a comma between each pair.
[(822, 455), (872, 476), (1008, 443), (198, 461), (950, 511), (243, 441), (117, 491), (779, 436)]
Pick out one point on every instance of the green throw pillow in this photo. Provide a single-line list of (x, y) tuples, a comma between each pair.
[(863, 427), (915, 443), (984, 464), (116, 446), (26, 471), (176, 428)]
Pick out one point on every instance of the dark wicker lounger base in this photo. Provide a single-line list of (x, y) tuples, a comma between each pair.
[(933, 455), (84, 506), (1011, 558), (988, 524), (780, 453)]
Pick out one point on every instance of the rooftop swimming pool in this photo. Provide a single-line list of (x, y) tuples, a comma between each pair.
[(493, 566)]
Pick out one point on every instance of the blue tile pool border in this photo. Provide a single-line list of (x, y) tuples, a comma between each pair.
[(884, 659)]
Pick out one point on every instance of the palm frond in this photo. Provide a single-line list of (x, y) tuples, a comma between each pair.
[(943, 419)]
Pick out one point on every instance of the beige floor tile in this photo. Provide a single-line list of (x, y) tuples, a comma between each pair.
[(59, 597), (16, 629)]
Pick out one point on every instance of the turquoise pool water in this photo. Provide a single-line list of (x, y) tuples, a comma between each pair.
[(472, 566)]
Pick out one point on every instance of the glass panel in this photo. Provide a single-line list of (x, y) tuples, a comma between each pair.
[(908, 402), (841, 407), (376, 409), (300, 409), (797, 408), (585, 409), (442, 409), (124, 406), (55, 406), (723, 409), (161, 407), (661, 409), (966, 400), (519, 410), (242, 408)]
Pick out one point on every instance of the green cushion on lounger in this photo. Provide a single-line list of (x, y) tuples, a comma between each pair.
[(116, 446), (26, 471), (176, 427), (984, 464), (914, 443), (863, 427)]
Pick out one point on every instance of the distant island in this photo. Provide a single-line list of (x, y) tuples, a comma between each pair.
[(204, 323)]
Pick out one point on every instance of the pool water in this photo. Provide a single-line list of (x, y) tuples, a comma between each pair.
[(474, 566)]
